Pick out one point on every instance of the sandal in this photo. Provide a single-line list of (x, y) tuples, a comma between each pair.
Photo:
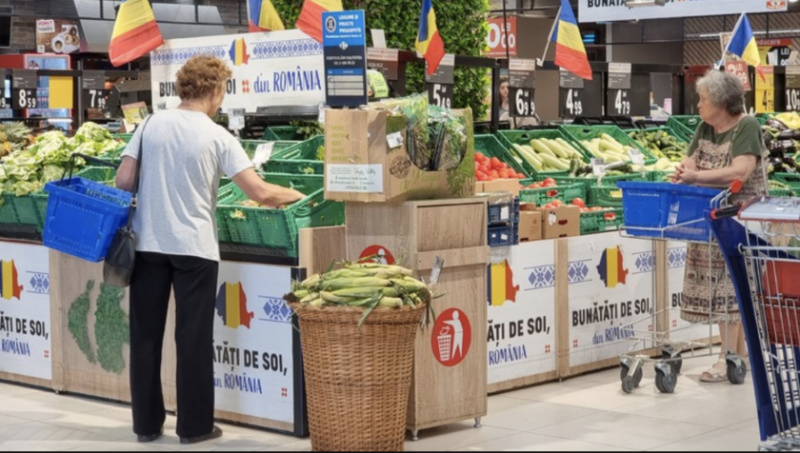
[(715, 374)]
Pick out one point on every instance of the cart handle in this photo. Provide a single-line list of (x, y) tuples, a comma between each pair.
[(729, 211)]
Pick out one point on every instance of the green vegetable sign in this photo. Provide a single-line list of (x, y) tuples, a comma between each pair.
[(111, 328)]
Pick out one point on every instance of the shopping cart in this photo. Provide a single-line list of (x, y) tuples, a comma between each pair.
[(665, 211), (762, 253)]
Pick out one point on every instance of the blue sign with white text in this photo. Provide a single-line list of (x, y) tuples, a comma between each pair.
[(344, 40)]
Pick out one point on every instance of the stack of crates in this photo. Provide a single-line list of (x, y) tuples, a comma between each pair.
[(503, 222)]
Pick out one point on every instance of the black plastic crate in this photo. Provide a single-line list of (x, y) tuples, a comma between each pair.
[(503, 213), (504, 235)]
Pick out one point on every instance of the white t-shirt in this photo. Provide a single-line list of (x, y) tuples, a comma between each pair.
[(185, 155)]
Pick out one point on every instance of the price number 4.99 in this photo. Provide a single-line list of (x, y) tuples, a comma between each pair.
[(574, 103)]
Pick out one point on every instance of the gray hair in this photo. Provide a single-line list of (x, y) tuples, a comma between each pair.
[(725, 91)]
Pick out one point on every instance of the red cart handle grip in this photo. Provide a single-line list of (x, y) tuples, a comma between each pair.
[(729, 211), (736, 186)]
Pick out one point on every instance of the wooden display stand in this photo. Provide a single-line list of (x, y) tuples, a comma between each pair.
[(450, 383)]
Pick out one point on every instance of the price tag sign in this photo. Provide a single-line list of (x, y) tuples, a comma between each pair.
[(24, 89), (394, 140), (739, 69), (618, 102), (236, 119), (387, 61), (567, 79), (522, 85), (438, 265), (95, 95), (637, 158), (793, 88), (598, 167), (263, 154), (441, 83), (619, 76), (765, 90), (573, 103), (588, 101)]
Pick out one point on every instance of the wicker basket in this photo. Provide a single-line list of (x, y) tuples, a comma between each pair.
[(358, 380)]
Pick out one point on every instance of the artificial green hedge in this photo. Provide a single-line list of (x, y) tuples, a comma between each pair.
[(462, 24)]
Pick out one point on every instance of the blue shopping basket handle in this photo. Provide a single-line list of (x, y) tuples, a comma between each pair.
[(94, 160)]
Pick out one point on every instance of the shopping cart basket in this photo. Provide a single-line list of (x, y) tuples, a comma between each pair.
[(762, 253), (665, 211), (83, 215)]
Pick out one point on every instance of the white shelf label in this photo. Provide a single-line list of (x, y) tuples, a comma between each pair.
[(354, 178)]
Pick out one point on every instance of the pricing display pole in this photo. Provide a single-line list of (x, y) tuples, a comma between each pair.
[(24, 93), (579, 97), (792, 88), (522, 87), (386, 61), (94, 92), (440, 84)]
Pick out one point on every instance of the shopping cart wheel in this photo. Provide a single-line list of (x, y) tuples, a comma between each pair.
[(635, 380), (675, 359), (627, 385), (737, 370), (666, 379)]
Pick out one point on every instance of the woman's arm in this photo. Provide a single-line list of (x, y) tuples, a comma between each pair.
[(740, 169), (126, 173), (263, 192)]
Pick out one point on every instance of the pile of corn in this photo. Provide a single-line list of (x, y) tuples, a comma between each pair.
[(362, 285)]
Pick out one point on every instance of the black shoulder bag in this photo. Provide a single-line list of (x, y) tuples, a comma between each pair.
[(121, 255)]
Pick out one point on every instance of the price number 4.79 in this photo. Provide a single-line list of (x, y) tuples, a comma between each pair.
[(574, 103), (793, 99), (621, 103)]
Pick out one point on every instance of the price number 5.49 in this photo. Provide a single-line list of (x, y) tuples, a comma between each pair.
[(574, 103), (793, 99), (621, 103), (441, 95)]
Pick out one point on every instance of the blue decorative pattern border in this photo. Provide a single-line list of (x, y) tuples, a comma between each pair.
[(276, 310), (677, 257), (645, 262), (541, 277), (578, 272), (166, 57), (39, 283), (285, 49)]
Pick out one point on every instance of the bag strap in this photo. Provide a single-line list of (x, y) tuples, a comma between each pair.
[(135, 196)]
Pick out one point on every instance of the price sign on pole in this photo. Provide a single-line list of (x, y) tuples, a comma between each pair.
[(739, 69), (23, 89), (793, 88), (618, 99), (440, 83), (765, 90), (387, 61), (522, 85), (94, 92), (578, 97)]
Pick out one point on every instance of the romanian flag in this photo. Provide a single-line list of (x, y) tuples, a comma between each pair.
[(9, 284), (232, 306), (310, 20), (570, 53), (611, 268), (743, 43), (263, 16), (429, 41), (135, 33), (501, 284), (238, 52)]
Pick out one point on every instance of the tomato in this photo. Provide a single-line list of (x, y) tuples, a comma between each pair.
[(495, 163), (494, 174), (579, 202), (557, 203), (548, 206), (485, 167), (550, 181), (479, 156), (520, 176), (477, 167), (610, 216)]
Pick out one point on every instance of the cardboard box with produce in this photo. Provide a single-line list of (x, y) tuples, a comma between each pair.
[(398, 150)]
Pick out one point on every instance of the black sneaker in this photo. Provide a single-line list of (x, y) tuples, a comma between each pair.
[(145, 438), (216, 433)]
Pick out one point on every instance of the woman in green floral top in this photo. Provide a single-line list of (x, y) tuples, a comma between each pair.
[(727, 147)]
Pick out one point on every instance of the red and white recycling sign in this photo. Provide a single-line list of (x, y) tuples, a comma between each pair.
[(378, 254), (451, 337)]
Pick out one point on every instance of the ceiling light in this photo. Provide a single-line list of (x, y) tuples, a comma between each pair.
[(638, 3)]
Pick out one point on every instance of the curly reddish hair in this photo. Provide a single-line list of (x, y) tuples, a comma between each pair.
[(200, 76)]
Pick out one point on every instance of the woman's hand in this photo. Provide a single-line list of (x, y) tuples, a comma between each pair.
[(684, 175)]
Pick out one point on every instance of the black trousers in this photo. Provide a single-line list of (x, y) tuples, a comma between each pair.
[(194, 280)]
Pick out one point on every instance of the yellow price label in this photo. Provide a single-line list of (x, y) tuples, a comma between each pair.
[(765, 89)]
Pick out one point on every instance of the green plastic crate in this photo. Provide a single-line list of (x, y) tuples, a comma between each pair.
[(279, 228), (124, 137), (544, 195), (250, 146), (601, 221), (790, 179), (666, 129), (577, 133), (515, 137), (604, 181), (684, 125), (658, 176), (604, 196), (298, 159), (781, 193), (275, 133), (490, 146)]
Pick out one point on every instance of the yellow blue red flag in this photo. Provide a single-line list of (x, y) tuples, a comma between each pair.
[(135, 33), (263, 16), (570, 52), (429, 41)]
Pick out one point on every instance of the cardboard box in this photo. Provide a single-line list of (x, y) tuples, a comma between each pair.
[(561, 222), (530, 226), (366, 161), (500, 185)]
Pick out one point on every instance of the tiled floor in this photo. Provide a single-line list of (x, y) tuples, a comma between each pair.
[(588, 413)]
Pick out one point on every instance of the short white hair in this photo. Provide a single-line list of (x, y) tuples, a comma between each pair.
[(725, 91)]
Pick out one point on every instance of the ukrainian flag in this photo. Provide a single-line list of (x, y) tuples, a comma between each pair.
[(429, 41), (263, 16), (743, 43), (136, 32), (570, 53)]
